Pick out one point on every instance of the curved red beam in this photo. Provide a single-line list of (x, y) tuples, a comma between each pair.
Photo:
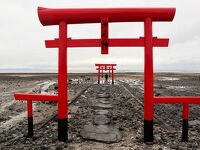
[(106, 65), (49, 16)]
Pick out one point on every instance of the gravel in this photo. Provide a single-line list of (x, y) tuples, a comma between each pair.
[(125, 116)]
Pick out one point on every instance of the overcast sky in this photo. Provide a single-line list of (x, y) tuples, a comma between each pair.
[(22, 37)]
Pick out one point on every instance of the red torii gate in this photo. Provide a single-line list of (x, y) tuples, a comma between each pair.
[(62, 17), (102, 67)]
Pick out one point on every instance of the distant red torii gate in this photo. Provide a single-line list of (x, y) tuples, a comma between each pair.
[(62, 17), (109, 67)]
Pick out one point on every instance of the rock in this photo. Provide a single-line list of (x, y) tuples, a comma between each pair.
[(102, 106), (173, 146), (157, 138), (157, 94), (194, 123), (53, 148), (164, 148), (56, 86), (103, 99), (149, 143), (101, 120), (101, 112), (102, 133), (103, 88), (104, 102), (103, 95)]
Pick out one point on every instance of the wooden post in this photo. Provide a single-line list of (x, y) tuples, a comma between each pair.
[(148, 82), (30, 118), (62, 84)]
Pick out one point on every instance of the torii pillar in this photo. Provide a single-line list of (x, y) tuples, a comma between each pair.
[(62, 84), (148, 81), (112, 75)]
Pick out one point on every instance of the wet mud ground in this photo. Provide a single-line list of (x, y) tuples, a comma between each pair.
[(125, 115)]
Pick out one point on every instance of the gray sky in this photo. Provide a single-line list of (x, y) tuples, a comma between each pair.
[(22, 37)]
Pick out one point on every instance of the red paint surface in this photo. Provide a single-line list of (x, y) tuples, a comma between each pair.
[(62, 72), (98, 74), (185, 111), (35, 97), (125, 42), (49, 16), (30, 109), (112, 73), (177, 100), (106, 69), (148, 70)]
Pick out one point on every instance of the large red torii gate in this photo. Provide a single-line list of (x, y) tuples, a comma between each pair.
[(62, 17), (102, 67)]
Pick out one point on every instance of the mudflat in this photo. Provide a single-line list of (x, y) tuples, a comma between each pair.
[(125, 114)]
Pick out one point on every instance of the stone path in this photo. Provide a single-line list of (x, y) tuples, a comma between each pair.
[(100, 130)]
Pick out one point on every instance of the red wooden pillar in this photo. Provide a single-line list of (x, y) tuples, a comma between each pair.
[(30, 118), (185, 122), (102, 72), (112, 75), (62, 83), (98, 75), (148, 82)]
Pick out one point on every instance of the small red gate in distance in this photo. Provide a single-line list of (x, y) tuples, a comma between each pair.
[(105, 67)]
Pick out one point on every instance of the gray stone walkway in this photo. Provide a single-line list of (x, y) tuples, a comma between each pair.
[(100, 130)]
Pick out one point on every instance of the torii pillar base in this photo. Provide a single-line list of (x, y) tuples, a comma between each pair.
[(185, 123), (185, 130), (30, 127), (148, 131), (63, 130), (30, 119)]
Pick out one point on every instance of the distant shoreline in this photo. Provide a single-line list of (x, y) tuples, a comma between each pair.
[(38, 73)]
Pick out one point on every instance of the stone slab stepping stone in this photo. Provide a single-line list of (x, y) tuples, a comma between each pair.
[(101, 133), (102, 106), (103, 99), (104, 102), (101, 112), (103, 88), (101, 120), (103, 95)]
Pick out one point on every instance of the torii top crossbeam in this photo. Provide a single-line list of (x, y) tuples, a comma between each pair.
[(105, 65), (93, 15)]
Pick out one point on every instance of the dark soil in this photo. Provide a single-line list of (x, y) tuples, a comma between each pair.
[(126, 115)]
